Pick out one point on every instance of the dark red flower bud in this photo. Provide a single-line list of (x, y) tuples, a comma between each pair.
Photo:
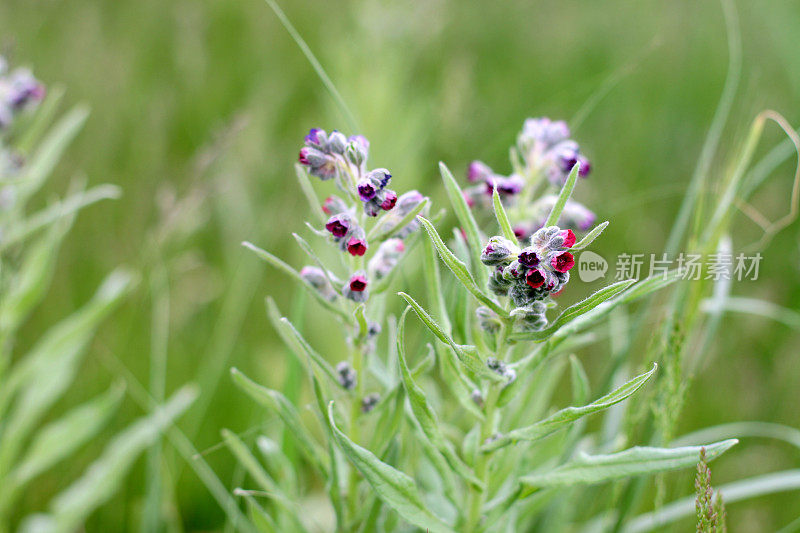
[(358, 283), (389, 200), (569, 238), (534, 278), (356, 247), (563, 262)]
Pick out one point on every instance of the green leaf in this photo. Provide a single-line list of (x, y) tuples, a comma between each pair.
[(377, 234), (465, 219), (390, 415), (563, 196), (31, 282), (280, 265), (468, 355), (308, 192), (262, 522), (636, 291), (295, 341), (310, 352), (574, 311), (392, 486), (277, 402), (636, 461), (42, 119), (456, 381), (433, 284), (565, 417), (104, 476), (63, 436), (459, 269), (580, 381), (590, 237), (361, 320), (246, 459), (49, 368), (425, 414), (313, 256), (50, 214), (502, 217), (44, 160)]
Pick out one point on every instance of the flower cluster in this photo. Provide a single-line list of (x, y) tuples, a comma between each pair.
[(528, 275), (343, 160), (333, 155), (19, 90), (545, 145), (544, 155)]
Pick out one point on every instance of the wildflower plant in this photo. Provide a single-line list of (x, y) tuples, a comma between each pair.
[(33, 383), (453, 437), (541, 161)]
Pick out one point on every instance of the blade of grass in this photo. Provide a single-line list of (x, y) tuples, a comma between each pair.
[(316, 65)]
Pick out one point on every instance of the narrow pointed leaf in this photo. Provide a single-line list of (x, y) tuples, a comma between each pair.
[(394, 487), (34, 275), (425, 414), (295, 341), (46, 372), (380, 232), (465, 218), (468, 355), (52, 147), (63, 436), (280, 265), (502, 217), (104, 476), (309, 351), (308, 192), (590, 237), (277, 402), (634, 292), (563, 196), (64, 208), (574, 311), (590, 469), (459, 269), (245, 458), (565, 417)]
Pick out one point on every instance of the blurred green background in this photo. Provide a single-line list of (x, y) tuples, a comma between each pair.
[(209, 100)]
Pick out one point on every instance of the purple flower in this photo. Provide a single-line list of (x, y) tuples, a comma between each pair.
[(528, 258), (366, 190), (315, 137), (339, 225), (498, 251), (380, 177), (358, 283), (478, 171), (319, 163)]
